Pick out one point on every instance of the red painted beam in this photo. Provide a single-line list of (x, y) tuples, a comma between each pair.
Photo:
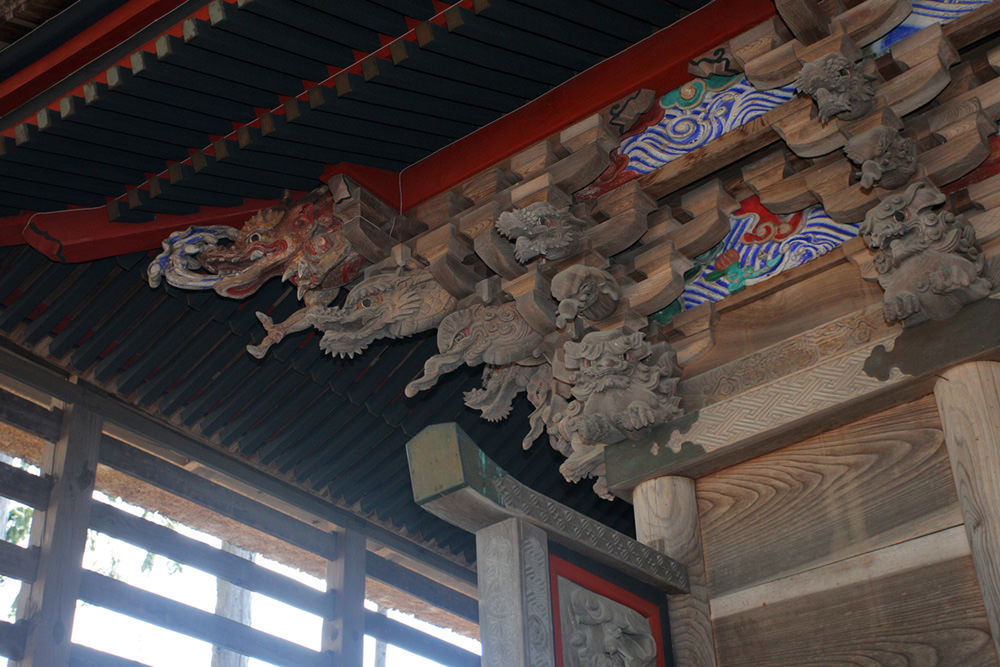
[(79, 50), (81, 235), (659, 62)]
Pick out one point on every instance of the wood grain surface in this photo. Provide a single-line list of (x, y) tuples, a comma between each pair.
[(858, 488)]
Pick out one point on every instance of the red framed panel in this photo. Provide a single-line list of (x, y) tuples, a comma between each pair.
[(652, 611)]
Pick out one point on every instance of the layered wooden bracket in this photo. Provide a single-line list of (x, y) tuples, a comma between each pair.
[(453, 479)]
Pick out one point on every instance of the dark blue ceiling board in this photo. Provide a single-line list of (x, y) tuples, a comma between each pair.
[(308, 354), (258, 408), (205, 36), (117, 99), (284, 416), (139, 201), (282, 142), (183, 174), (620, 20), (323, 440), (250, 389), (160, 189), (351, 369), (487, 31), (51, 123), (198, 379), (310, 21), (18, 263), (75, 294), (28, 135), (550, 26), (108, 298), (359, 481), (210, 165), (76, 109), (656, 12), (409, 55), (114, 329), (259, 28), (418, 9), (23, 190), (300, 113), (275, 298), (188, 54), (147, 92), (315, 421), (178, 367), (235, 375), (34, 294), (361, 448), (53, 176), (380, 369), (135, 342), (148, 66), (444, 393), (377, 91), (347, 100), (10, 153), (162, 353), (438, 39), (461, 94), (347, 443), (374, 17), (231, 152), (417, 353)]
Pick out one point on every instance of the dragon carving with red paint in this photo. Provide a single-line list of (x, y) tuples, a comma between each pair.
[(301, 241)]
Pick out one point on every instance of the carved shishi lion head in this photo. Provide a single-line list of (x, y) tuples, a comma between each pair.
[(586, 291), (541, 229), (840, 87)]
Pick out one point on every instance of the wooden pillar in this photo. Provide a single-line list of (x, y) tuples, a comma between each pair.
[(51, 602), (344, 633), (515, 602), (968, 398), (666, 519)]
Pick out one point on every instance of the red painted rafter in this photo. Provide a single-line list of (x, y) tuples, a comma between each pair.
[(659, 62)]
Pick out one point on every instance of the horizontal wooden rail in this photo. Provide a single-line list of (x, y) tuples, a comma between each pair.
[(18, 562), (25, 488), (198, 490), (106, 592), (413, 640), (12, 640), (84, 656), (419, 586), (27, 416), (239, 571)]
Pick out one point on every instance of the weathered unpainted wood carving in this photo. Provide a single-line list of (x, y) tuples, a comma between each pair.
[(599, 632), (840, 87), (501, 385), (928, 261), (885, 156), (585, 291), (541, 229), (494, 334)]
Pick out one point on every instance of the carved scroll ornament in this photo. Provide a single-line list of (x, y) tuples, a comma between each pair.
[(928, 261)]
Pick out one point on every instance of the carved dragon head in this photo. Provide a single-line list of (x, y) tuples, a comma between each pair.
[(840, 87), (541, 229)]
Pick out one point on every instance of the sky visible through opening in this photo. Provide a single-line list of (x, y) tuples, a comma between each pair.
[(114, 633)]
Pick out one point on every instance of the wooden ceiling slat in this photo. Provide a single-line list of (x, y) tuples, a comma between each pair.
[(276, 138), (237, 373), (366, 14), (183, 174), (99, 303), (160, 189), (29, 202), (11, 169), (161, 69), (140, 201), (408, 55), (418, 9), (550, 26), (115, 98), (317, 23), (487, 31), (262, 29), (203, 35), (230, 151), (74, 295), (176, 363), (26, 154), (280, 417), (60, 193), (50, 123), (34, 293), (377, 91), (456, 91), (440, 40), (346, 101), (281, 391), (211, 165), (27, 134), (632, 21), (112, 330), (138, 340)]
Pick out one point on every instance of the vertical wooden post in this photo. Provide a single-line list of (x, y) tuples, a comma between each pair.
[(51, 602), (968, 398), (344, 633), (515, 600), (666, 519)]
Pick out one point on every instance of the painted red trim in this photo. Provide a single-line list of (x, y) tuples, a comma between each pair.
[(79, 50), (562, 568), (381, 183), (658, 62), (86, 234), (11, 228)]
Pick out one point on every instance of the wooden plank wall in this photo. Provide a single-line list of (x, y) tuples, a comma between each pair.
[(846, 548)]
